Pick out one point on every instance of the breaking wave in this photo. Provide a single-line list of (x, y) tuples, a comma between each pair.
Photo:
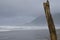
[(11, 28)]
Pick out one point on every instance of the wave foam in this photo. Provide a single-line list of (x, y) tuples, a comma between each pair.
[(10, 28)]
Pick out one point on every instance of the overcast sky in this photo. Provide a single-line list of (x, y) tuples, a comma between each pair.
[(19, 12)]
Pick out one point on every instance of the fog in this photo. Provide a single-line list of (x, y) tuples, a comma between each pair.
[(19, 12)]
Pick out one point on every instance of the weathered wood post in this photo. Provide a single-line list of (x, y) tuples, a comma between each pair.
[(50, 22)]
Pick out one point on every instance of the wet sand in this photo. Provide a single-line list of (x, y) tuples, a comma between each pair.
[(26, 35)]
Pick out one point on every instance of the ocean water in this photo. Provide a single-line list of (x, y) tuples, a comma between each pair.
[(25, 33)]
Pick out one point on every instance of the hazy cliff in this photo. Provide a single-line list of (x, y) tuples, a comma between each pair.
[(41, 20)]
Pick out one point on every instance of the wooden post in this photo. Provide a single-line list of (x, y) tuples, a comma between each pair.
[(50, 22)]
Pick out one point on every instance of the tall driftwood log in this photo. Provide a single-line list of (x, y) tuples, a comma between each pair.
[(50, 22)]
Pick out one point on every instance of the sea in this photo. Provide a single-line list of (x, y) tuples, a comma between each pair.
[(25, 33)]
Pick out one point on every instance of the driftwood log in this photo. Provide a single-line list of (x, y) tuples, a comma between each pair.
[(50, 22)]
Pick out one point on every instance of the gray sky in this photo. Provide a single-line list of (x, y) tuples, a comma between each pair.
[(19, 12)]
